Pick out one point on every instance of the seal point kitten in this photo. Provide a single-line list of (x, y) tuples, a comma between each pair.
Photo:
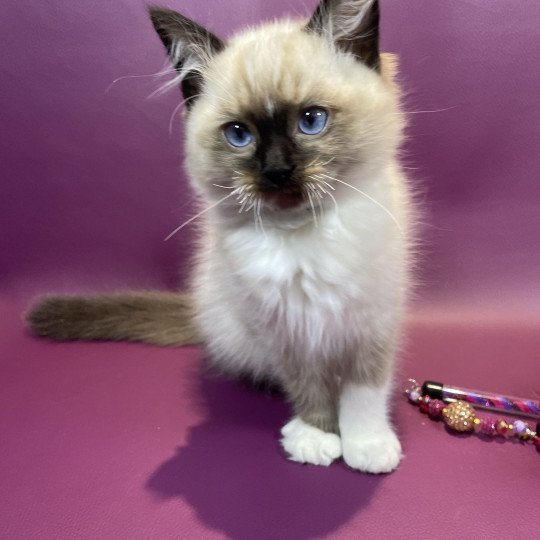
[(302, 264)]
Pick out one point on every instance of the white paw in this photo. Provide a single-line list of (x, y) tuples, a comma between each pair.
[(373, 453), (308, 444)]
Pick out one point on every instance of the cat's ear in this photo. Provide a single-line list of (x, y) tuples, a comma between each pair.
[(353, 25), (189, 46)]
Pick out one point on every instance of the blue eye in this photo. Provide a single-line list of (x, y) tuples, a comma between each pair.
[(237, 134), (312, 121)]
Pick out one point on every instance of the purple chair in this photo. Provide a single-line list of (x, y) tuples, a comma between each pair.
[(120, 440)]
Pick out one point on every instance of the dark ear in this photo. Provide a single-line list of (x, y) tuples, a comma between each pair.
[(189, 46), (353, 25)]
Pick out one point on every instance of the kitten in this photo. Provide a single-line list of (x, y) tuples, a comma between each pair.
[(303, 261)]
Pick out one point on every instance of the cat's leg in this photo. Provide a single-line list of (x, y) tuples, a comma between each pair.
[(311, 436), (369, 441)]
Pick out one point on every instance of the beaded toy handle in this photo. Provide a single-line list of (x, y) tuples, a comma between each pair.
[(459, 414)]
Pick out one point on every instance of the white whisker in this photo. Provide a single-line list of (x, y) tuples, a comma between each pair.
[(319, 179), (244, 202), (327, 162), (368, 197), (334, 200), (315, 220), (318, 185), (198, 215), (315, 190), (432, 111), (259, 217), (158, 74), (310, 164), (320, 198), (171, 119), (332, 197), (315, 163), (254, 216)]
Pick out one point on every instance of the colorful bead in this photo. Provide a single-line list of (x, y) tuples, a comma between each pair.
[(477, 425), (520, 427), (414, 396), (424, 404), (489, 427), (502, 428), (435, 408), (459, 416)]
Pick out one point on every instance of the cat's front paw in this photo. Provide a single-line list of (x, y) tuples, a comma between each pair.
[(374, 453), (308, 444)]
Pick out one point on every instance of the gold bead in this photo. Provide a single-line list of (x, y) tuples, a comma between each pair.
[(459, 416)]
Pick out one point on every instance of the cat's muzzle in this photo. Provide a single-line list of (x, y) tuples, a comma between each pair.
[(280, 188)]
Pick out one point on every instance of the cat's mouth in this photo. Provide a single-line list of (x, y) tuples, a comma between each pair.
[(285, 198)]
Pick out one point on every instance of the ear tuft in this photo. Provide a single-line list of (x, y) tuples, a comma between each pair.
[(352, 25), (189, 46)]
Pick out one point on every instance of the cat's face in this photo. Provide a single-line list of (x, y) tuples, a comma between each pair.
[(278, 112)]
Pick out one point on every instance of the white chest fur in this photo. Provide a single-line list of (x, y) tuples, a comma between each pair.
[(315, 291), (316, 288)]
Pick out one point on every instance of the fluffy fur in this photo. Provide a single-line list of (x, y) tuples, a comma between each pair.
[(158, 318), (310, 293)]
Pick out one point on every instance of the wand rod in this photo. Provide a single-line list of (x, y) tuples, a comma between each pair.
[(485, 400)]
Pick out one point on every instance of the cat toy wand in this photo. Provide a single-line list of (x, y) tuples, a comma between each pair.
[(485, 400), (456, 407)]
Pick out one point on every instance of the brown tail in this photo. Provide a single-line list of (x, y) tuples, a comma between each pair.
[(158, 318)]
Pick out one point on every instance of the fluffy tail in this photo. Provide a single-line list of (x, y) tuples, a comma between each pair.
[(158, 318)]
